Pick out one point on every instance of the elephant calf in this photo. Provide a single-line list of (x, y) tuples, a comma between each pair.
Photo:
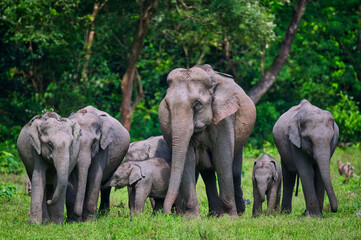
[(266, 179), (146, 178)]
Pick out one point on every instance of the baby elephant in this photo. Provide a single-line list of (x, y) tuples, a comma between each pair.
[(266, 179), (144, 178)]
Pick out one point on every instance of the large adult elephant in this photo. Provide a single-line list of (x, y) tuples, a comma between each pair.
[(49, 148), (206, 118), (306, 137), (103, 144)]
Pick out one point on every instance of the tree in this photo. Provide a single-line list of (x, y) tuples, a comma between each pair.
[(270, 76), (146, 12)]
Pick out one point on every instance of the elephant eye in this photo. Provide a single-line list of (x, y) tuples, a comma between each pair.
[(50, 146), (197, 106)]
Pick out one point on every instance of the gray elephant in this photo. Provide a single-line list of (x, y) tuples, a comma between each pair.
[(149, 148), (206, 118), (103, 145), (266, 180), (144, 178), (49, 148), (306, 137)]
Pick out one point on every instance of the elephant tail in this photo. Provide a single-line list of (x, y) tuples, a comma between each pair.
[(298, 183)]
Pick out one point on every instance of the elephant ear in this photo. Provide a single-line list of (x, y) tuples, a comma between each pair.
[(108, 132), (293, 132), (34, 137), (335, 135), (135, 174), (274, 171), (226, 98)]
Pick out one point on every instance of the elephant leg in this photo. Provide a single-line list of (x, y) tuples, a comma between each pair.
[(141, 194), (320, 188), (210, 182), (278, 198), (56, 211), (289, 179), (271, 199), (104, 199), (257, 203), (45, 213), (306, 173), (93, 185), (38, 182), (223, 154), (237, 180), (152, 202), (70, 198), (131, 199), (158, 204), (188, 185)]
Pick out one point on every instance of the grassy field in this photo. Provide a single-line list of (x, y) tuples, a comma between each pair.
[(117, 224)]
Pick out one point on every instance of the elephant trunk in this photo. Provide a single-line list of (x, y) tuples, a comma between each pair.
[(182, 130), (323, 161), (61, 163), (83, 168), (262, 188)]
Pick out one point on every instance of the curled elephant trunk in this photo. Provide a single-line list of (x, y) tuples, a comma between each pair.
[(262, 191), (61, 162), (323, 161), (182, 131)]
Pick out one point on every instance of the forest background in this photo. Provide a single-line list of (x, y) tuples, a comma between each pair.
[(116, 54)]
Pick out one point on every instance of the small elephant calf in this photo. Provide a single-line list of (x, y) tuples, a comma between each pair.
[(266, 179), (144, 178)]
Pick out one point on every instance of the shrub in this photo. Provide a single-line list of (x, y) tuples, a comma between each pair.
[(8, 163), (7, 191), (348, 118)]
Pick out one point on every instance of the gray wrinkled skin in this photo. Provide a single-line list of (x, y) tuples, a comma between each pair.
[(144, 178), (49, 148), (266, 180), (206, 119), (103, 144), (306, 137)]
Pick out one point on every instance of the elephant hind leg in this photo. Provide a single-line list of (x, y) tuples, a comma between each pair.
[(158, 205), (289, 179), (237, 181), (104, 200)]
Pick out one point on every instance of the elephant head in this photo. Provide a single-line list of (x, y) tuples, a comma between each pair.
[(126, 174), (197, 98), (315, 132), (264, 174), (97, 134), (57, 140)]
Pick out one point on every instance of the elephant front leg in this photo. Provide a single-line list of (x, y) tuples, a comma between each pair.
[(272, 199), (141, 194), (257, 203), (56, 211), (237, 180), (38, 191), (93, 187), (188, 185), (289, 179), (223, 154), (210, 182)]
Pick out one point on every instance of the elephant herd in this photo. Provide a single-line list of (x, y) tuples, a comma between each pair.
[(205, 119)]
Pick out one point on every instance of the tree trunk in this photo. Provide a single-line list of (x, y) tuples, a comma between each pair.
[(89, 37), (270, 76), (145, 16)]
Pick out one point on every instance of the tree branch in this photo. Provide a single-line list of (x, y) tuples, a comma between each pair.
[(270, 76)]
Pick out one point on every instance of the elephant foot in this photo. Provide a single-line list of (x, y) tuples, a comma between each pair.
[(312, 214)]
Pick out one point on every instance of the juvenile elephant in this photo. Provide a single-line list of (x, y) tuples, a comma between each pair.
[(306, 137), (145, 178), (266, 180), (149, 148), (206, 119), (49, 148), (103, 144)]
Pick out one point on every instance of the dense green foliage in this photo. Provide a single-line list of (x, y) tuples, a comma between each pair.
[(43, 49), (117, 224)]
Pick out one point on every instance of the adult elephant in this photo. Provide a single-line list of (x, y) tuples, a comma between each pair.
[(49, 148), (306, 137), (206, 118), (103, 144)]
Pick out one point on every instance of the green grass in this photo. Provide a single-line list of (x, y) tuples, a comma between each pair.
[(117, 224)]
